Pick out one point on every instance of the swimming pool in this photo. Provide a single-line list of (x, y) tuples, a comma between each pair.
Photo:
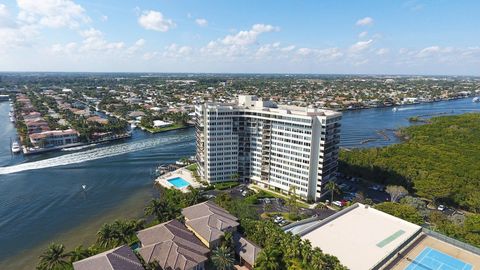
[(432, 259), (178, 182)]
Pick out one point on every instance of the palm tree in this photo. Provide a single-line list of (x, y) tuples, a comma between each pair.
[(161, 209), (268, 259), (222, 258), (78, 253), (54, 258), (106, 236), (333, 188)]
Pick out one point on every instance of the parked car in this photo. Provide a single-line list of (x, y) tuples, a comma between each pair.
[(337, 203), (441, 207), (278, 219)]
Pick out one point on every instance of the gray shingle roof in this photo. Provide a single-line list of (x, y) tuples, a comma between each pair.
[(246, 249), (209, 220), (121, 258), (172, 245)]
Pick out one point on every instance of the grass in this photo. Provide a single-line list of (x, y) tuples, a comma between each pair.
[(192, 167), (226, 185), (281, 196), (163, 129)]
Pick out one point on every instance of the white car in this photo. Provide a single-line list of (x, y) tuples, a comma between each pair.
[(441, 207), (337, 203)]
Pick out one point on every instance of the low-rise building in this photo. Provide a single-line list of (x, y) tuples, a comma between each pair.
[(172, 246), (120, 258), (246, 250), (160, 123), (362, 238), (209, 222), (54, 138)]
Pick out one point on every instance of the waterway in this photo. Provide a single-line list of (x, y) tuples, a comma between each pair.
[(41, 198)]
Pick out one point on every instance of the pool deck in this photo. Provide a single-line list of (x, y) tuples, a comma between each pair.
[(182, 173), (408, 255)]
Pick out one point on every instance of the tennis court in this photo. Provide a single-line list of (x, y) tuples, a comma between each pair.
[(431, 259)]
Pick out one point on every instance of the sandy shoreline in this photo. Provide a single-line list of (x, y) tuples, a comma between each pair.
[(83, 234)]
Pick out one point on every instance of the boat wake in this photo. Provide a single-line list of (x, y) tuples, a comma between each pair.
[(94, 154)]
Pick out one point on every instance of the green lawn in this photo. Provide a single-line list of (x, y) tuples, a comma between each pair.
[(281, 196), (172, 127)]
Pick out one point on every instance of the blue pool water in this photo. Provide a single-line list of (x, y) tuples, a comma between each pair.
[(432, 259), (178, 182)]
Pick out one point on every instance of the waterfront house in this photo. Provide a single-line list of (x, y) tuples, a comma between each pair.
[(160, 123), (36, 125), (54, 138), (209, 222), (172, 246), (120, 258)]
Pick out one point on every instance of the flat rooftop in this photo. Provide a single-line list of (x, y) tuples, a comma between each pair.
[(360, 236)]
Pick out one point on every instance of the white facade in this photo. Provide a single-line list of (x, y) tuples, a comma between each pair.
[(273, 146)]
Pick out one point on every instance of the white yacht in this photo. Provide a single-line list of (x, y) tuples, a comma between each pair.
[(16, 147), (394, 109), (476, 99)]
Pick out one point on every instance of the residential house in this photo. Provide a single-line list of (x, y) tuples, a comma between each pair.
[(246, 251), (120, 258), (54, 138), (209, 222), (172, 246)]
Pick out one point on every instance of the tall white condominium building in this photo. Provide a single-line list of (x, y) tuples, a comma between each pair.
[(273, 146)]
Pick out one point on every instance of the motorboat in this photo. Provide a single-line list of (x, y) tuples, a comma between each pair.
[(16, 147), (476, 99)]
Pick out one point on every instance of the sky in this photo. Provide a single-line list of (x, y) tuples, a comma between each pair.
[(425, 37)]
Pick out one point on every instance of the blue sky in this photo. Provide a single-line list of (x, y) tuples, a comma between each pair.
[(362, 37)]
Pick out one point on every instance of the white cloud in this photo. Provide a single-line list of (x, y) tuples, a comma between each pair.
[(176, 51), (201, 22), (382, 51), (154, 20), (363, 34), (136, 46), (52, 13), (288, 48), (94, 41), (365, 21), (239, 44), (104, 18), (320, 55), (361, 46), (244, 38)]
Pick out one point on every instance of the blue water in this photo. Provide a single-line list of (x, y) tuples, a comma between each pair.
[(41, 195), (433, 259), (178, 182)]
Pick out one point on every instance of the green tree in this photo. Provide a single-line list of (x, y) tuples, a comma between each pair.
[(268, 259), (222, 258), (79, 253), (402, 211), (54, 258), (333, 188), (162, 209)]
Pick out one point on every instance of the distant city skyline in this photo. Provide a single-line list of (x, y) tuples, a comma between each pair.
[(423, 37)]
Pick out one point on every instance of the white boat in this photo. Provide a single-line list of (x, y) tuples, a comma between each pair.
[(476, 99), (394, 109), (133, 126), (16, 147), (12, 119)]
